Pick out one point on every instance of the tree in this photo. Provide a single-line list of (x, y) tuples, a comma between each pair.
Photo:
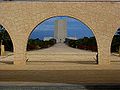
[(118, 31), (116, 42), (36, 44), (5, 38)]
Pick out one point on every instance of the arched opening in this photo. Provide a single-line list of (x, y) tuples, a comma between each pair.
[(6, 47), (41, 37), (115, 48), (69, 39)]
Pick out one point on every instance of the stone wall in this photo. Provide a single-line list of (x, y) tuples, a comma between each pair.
[(20, 18)]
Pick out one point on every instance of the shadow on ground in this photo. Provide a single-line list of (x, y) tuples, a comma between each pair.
[(62, 87)]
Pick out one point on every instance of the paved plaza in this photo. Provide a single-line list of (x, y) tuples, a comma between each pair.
[(59, 54), (62, 54), (58, 65)]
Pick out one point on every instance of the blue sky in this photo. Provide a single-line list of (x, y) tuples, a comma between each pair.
[(75, 28)]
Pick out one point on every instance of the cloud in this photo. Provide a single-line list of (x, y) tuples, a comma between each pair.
[(74, 26)]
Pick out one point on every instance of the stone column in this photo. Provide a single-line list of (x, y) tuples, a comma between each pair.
[(104, 54), (119, 51), (103, 60), (19, 50), (103, 38), (2, 50), (20, 58)]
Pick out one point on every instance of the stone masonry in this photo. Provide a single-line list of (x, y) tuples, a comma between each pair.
[(20, 18)]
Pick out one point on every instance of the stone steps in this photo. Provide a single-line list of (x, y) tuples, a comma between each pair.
[(61, 57)]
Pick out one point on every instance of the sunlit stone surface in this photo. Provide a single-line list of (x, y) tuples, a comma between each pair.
[(66, 0)]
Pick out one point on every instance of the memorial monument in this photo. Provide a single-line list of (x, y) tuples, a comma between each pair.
[(60, 32), (2, 50)]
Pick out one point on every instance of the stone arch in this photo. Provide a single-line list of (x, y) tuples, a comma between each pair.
[(6, 24), (112, 36), (97, 19), (58, 16), (114, 29), (48, 17), (114, 53)]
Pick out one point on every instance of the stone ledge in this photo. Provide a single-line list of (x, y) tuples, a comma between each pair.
[(62, 76), (68, 0), (59, 67)]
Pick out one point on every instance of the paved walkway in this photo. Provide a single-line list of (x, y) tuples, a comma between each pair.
[(54, 86), (61, 76), (59, 54), (61, 48)]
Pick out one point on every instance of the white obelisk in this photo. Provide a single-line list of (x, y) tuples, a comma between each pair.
[(60, 32)]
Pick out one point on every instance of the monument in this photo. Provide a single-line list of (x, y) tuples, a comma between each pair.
[(60, 32), (2, 50), (119, 51)]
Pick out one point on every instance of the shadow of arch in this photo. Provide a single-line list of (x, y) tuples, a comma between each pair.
[(6, 50), (62, 16)]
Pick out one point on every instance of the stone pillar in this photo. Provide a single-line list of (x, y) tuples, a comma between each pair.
[(103, 60), (2, 50), (19, 51), (103, 38), (119, 51), (20, 58), (104, 55)]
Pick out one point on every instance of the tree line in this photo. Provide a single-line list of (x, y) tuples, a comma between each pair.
[(115, 46), (35, 44), (5, 39), (85, 43)]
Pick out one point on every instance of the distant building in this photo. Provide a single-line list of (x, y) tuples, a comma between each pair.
[(73, 38), (47, 38)]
